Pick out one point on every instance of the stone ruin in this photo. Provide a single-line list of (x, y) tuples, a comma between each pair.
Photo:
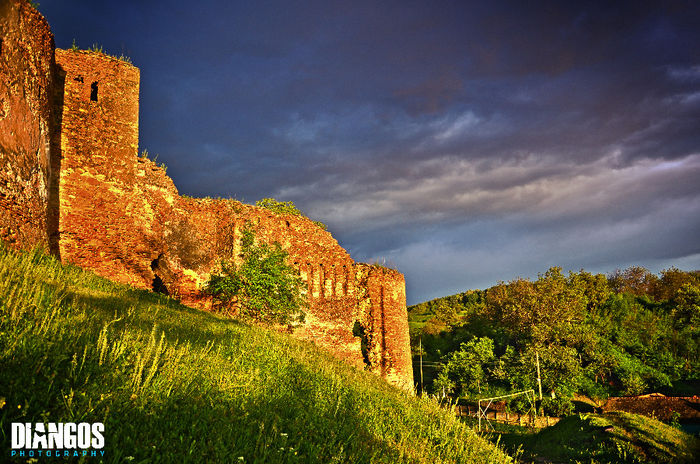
[(71, 181)]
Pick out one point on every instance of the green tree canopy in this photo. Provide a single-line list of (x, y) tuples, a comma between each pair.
[(466, 369)]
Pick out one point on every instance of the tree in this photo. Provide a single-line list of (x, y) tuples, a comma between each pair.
[(672, 280), (686, 309), (544, 310), (636, 280), (445, 312), (594, 287), (466, 368), (263, 287), (512, 305)]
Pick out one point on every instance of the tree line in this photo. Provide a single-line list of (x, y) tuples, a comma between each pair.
[(627, 333)]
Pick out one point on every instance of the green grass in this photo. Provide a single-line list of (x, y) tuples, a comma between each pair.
[(615, 437), (173, 384)]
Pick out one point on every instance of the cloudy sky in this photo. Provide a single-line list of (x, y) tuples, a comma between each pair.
[(463, 142)]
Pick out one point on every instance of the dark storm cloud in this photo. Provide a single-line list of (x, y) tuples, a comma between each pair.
[(466, 142)]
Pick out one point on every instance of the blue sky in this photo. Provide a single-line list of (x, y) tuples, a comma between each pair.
[(462, 142)]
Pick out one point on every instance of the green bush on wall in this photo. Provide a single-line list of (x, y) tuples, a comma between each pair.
[(284, 207), (263, 287)]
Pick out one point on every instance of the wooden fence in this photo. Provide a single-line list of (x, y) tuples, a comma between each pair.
[(505, 417)]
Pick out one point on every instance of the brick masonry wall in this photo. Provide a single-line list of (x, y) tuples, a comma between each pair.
[(382, 309), (103, 222), (343, 296), (26, 79), (213, 230)]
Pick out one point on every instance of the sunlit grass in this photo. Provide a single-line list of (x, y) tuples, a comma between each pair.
[(173, 384), (615, 437)]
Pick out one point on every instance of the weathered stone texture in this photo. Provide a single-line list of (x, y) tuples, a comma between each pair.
[(214, 228), (383, 314), (122, 217), (26, 76), (104, 223)]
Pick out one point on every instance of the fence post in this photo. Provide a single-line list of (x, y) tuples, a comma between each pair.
[(478, 405)]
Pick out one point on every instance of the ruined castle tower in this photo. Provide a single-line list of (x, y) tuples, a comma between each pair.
[(97, 144), (101, 209)]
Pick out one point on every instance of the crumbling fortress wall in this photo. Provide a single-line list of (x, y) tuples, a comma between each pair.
[(357, 311), (121, 216), (26, 78)]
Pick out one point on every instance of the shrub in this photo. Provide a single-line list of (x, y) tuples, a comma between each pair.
[(279, 207), (263, 287), (559, 406), (284, 207)]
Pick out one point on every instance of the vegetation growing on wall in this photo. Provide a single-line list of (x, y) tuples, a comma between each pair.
[(263, 287), (97, 48), (284, 207), (145, 155), (629, 333)]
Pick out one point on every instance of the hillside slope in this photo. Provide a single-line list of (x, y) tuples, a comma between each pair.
[(615, 437), (173, 384)]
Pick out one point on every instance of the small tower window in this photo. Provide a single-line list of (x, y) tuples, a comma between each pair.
[(93, 91)]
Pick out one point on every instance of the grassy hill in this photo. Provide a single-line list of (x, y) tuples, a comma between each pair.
[(616, 437), (173, 384)]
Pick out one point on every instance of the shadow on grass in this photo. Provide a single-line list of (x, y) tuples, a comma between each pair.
[(583, 407), (177, 321)]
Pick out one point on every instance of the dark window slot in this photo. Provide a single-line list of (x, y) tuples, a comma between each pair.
[(93, 91)]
